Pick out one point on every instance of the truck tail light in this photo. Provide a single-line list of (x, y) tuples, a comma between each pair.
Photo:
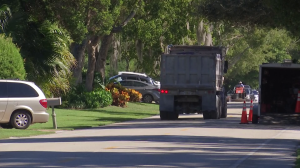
[(164, 91), (43, 102)]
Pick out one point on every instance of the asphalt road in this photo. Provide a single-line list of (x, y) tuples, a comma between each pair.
[(189, 142)]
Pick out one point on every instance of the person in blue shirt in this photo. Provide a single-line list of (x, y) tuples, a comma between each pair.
[(241, 83)]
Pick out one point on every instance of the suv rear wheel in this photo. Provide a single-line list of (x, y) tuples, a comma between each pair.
[(147, 98), (20, 120)]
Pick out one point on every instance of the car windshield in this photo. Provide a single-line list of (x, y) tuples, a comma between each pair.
[(255, 92)]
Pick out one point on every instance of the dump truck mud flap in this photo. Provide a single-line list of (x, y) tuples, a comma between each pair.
[(166, 103)]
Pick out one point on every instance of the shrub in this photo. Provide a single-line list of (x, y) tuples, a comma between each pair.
[(79, 98), (11, 62), (135, 96), (98, 98), (122, 95)]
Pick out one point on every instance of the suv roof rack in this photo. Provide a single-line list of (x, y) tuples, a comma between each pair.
[(131, 73)]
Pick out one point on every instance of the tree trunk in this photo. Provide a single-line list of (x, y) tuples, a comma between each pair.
[(91, 48), (139, 49), (201, 34), (127, 64), (78, 52), (114, 58), (208, 38), (102, 56)]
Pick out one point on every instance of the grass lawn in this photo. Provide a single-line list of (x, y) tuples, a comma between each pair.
[(75, 119)]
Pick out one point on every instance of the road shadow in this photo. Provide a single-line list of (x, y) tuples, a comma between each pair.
[(206, 151), (190, 120)]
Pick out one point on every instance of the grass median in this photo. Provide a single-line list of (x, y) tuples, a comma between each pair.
[(78, 119)]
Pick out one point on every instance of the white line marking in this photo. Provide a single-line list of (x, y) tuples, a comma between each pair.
[(237, 163)]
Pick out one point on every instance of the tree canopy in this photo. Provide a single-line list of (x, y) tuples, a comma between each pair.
[(266, 13)]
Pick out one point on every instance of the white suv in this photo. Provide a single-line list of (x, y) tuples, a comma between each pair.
[(21, 103)]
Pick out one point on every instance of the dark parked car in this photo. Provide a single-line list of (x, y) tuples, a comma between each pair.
[(149, 92), (135, 76)]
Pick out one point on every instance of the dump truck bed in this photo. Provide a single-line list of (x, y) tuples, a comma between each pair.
[(191, 67)]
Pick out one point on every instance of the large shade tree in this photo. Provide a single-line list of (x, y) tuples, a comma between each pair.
[(267, 13), (44, 45)]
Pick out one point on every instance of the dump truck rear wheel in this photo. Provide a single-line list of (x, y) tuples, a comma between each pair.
[(216, 114), (206, 115), (224, 110), (163, 115)]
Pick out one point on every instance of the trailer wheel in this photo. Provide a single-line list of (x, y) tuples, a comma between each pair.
[(163, 115), (224, 110), (254, 119), (255, 116)]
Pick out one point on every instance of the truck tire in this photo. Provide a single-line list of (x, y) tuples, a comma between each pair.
[(224, 110), (220, 108), (216, 114), (206, 115), (173, 116), (163, 115)]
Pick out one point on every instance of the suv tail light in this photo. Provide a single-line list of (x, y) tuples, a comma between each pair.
[(43, 102), (164, 91)]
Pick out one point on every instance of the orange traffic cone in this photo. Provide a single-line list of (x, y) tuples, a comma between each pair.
[(244, 115), (297, 110), (250, 112)]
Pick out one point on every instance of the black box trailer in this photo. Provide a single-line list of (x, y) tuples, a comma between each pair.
[(279, 84)]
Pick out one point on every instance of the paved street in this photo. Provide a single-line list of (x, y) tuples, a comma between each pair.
[(189, 142)]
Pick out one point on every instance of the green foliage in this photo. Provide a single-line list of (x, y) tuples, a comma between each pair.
[(60, 61), (44, 45), (85, 17), (267, 13), (251, 48), (297, 162), (11, 62), (74, 98), (79, 98), (157, 24), (98, 98)]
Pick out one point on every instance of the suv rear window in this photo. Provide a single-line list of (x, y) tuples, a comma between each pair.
[(132, 78), (21, 90)]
